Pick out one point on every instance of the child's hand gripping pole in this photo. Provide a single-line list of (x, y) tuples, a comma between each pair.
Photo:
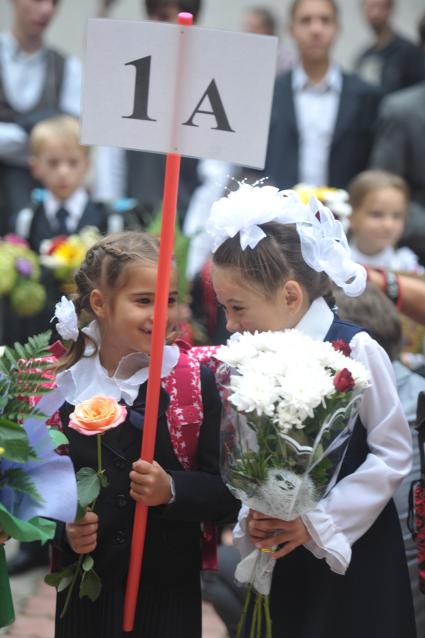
[(171, 182)]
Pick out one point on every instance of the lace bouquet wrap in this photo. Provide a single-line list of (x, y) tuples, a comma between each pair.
[(289, 407)]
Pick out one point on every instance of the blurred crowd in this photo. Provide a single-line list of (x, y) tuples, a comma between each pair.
[(327, 127), (354, 139)]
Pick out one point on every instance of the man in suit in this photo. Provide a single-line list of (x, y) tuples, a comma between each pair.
[(400, 148), (322, 119), (391, 62)]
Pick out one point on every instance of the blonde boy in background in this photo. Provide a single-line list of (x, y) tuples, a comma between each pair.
[(63, 207)]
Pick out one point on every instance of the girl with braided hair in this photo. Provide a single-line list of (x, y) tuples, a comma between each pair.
[(112, 331)]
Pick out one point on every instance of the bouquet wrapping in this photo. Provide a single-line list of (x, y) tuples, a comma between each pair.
[(289, 406), (36, 483)]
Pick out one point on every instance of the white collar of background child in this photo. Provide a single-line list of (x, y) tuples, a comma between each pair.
[(324, 245), (88, 378)]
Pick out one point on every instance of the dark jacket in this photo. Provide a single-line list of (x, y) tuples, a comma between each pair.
[(352, 138), (373, 598), (172, 553), (94, 214), (396, 66)]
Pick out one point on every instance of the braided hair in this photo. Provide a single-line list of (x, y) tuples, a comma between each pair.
[(105, 268)]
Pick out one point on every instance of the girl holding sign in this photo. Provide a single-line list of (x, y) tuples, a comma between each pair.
[(110, 356)]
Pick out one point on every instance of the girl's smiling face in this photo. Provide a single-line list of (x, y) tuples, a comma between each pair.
[(248, 309), (125, 315)]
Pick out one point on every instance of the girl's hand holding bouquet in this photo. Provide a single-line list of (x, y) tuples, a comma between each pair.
[(267, 533), (289, 407)]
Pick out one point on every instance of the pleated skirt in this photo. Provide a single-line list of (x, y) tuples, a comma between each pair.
[(372, 600), (161, 613)]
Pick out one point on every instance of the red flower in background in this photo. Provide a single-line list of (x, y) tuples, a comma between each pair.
[(55, 243), (341, 346), (343, 380)]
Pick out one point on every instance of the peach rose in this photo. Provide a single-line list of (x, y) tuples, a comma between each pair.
[(97, 415)]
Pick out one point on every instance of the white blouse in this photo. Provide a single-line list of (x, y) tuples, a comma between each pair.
[(398, 259), (88, 378), (23, 76), (354, 503)]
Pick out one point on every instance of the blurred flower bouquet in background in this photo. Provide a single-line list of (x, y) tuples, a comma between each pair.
[(336, 199), (35, 482), (19, 276), (64, 255), (289, 407)]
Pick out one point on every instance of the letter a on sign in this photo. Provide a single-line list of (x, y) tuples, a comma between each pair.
[(217, 109), (169, 88)]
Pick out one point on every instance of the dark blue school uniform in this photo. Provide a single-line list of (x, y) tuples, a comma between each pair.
[(373, 598), (169, 601)]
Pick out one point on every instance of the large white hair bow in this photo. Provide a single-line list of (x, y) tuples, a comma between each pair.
[(324, 245)]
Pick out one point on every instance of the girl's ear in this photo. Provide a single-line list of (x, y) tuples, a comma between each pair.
[(98, 303), (294, 297)]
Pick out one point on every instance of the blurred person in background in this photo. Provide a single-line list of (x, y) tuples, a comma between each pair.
[(261, 20), (392, 62), (323, 119), (399, 147), (140, 174), (421, 32), (374, 312), (380, 202), (36, 82)]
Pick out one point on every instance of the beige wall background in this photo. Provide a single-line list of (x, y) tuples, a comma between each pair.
[(67, 31)]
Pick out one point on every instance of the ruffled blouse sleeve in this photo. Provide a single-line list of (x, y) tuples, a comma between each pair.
[(355, 502)]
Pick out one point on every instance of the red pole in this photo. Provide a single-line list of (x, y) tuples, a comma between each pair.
[(171, 184)]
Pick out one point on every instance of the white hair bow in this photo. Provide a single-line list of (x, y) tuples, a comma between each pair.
[(324, 245)]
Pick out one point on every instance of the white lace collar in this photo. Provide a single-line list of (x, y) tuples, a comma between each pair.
[(88, 377)]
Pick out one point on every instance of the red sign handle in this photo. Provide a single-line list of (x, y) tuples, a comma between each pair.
[(171, 184)]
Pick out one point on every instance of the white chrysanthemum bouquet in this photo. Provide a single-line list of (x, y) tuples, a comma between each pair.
[(290, 404)]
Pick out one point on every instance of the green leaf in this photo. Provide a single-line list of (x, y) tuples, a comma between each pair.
[(14, 440), (58, 437), (18, 480), (88, 563), (52, 579), (80, 512), (55, 578), (64, 583), (7, 614), (103, 479), (19, 349), (3, 398), (91, 585), (10, 356), (36, 529), (88, 486)]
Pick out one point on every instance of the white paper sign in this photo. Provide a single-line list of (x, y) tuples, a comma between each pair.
[(172, 89)]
